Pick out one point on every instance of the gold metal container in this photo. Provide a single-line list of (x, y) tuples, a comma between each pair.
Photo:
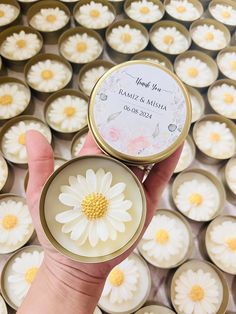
[(134, 121), (26, 5), (50, 37), (77, 140), (223, 74), (17, 19), (43, 57), (191, 144), (155, 309), (102, 251), (231, 195), (195, 93), (154, 56), (7, 182), (118, 56), (209, 158)]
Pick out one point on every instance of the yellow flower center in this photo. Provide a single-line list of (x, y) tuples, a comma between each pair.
[(181, 9), (231, 244), (94, 205), (2, 13), (21, 139), (168, 39), (126, 37), (226, 14), (162, 237), (228, 98), (94, 13), (6, 100), (51, 18), (209, 36), (144, 10), (197, 293), (233, 65), (9, 222), (215, 137), (69, 111), (30, 274), (193, 72), (196, 199), (47, 74), (21, 43), (116, 277), (81, 47)]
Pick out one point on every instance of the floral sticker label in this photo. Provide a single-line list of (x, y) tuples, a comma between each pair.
[(139, 110)]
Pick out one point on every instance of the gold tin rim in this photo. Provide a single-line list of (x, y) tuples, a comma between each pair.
[(169, 23), (219, 218), (199, 97), (2, 159), (225, 297), (218, 184), (154, 307), (228, 164), (75, 138), (197, 4), (138, 160), (193, 148), (169, 212), (15, 120), (214, 118), (77, 257), (223, 51), (225, 2), (219, 83), (216, 24), (27, 248), (55, 96), (15, 4)]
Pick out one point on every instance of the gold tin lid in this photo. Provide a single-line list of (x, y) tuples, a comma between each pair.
[(152, 56), (155, 309), (139, 112)]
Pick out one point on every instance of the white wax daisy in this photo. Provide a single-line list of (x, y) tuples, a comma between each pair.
[(196, 107), (14, 98), (20, 46), (81, 48), (197, 292), (22, 274), (126, 39), (215, 139), (13, 142), (67, 113), (231, 177), (198, 199), (194, 72), (169, 40), (144, 11), (209, 37), (227, 64), (99, 210), (3, 172), (186, 157), (8, 13), (224, 13), (183, 10), (78, 145), (94, 15), (223, 100), (48, 75), (90, 78), (49, 20)]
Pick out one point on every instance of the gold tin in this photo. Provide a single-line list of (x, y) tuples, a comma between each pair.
[(223, 51), (147, 25), (215, 222), (219, 83), (18, 17), (75, 141), (17, 198), (8, 182), (70, 4), (50, 37), (89, 66), (196, 3), (231, 196), (217, 25), (118, 5), (49, 198), (209, 159), (72, 92), (189, 175), (106, 3), (207, 267), (200, 99), (9, 262), (202, 57), (3, 305), (165, 23), (118, 56), (9, 124), (79, 30), (152, 55), (174, 215), (42, 57), (133, 152), (155, 309), (18, 65)]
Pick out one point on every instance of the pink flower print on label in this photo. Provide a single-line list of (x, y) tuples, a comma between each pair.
[(137, 145), (113, 134)]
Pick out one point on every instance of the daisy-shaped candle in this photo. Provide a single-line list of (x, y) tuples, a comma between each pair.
[(228, 173), (196, 69), (13, 140), (78, 142), (3, 307), (19, 273), (16, 226), (197, 102), (215, 137), (187, 155), (170, 37), (224, 12), (127, 286), (125, 38), (155, 309), (9, 13), (99, 208), (221, 243), (198, 195), (226, 61), (199, 287), (167, 241), (154, 56)]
